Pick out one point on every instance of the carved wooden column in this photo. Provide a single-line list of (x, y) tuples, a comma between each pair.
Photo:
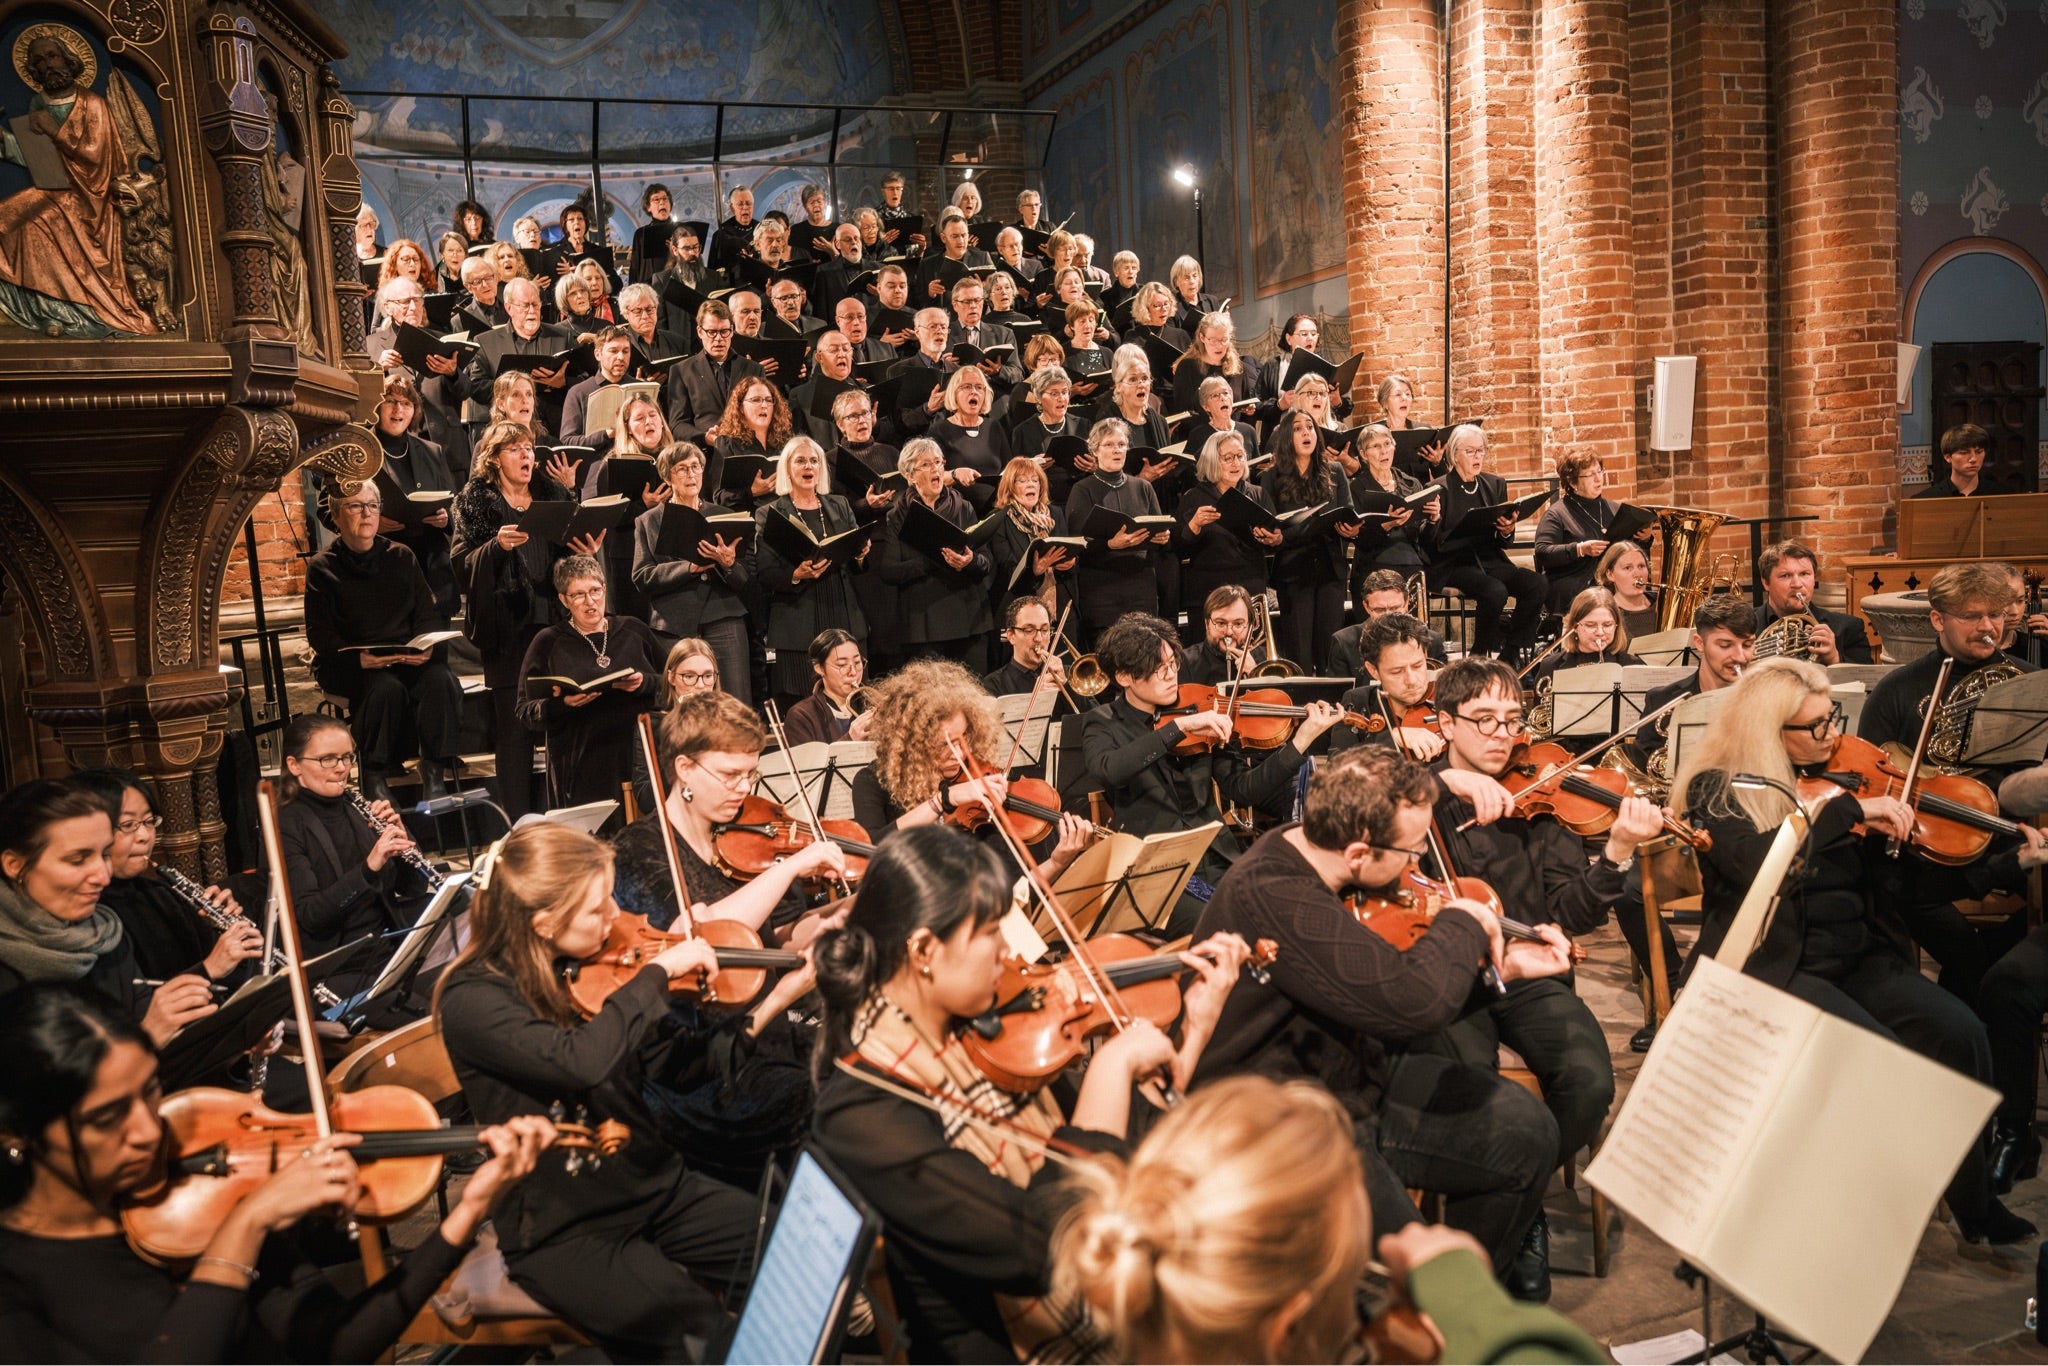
[(341, 194)]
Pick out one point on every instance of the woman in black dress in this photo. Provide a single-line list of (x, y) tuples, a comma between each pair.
[(590, 735), (514, 399), (969, 440), (967, 1208), (1309, 570), (1190, 302), (56, 844), (1477, 563), (622, 1249), (1396, 399), (853, 414), (628, 467), (1087, 362), (1571, 533), (507, 580), (1217, 554), (942, 603), (803, 599), (756, 422), (1119, 574), (704, 592), (170, 935), (1213, 352), (1030, 515), (79, 1117), (1049, 415), (1400, 540)]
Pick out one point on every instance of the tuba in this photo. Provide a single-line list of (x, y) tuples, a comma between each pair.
[(1261, 642), (1541, 714), (1688, 576)]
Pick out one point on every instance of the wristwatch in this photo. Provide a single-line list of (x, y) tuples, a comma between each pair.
[(1621, 867)]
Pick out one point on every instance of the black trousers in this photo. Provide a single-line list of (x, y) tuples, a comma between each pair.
[(1965, 948), (402, 712), (1486, 1145), (1561, 1042), (1628, 916), (512, 743), (1886, 996), (1311, 611), (638, 1291), (2011, 1002), (1489, 588)]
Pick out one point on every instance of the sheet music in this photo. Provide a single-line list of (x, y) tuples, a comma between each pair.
[(1663, 648), (1852, 695), (1582, 700), (1126, 883), (1028, 724), (1690, 720), (1717, 1067), (2011, 724), (825, 772)]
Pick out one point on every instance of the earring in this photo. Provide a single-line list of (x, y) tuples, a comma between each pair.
[(688, 795), (15, 1155)]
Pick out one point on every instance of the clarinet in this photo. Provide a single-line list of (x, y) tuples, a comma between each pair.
[(413, 857), (222, 919)]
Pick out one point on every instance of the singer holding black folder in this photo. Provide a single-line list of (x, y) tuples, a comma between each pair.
[(1474, 560), (804, 596), (942, 588), (1572, 533), (505, 578), (1118, 573), (696, 589), (1401, 539), (1309, 571), (1216, 550), (616, 664)]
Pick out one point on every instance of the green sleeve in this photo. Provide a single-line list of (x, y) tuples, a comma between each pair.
[(1480, 1323)]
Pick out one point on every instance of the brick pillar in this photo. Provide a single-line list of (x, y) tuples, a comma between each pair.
[(1835, 68), (1649, 126), (1392, 105), (1721, 245), (1585, 236), (1493, 229)]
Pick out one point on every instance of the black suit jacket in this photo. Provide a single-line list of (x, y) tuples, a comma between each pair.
[(1152, 789), (697, 395), (991, 334), (476, 379), (1852, 639)]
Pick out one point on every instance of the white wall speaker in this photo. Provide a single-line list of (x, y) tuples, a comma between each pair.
[(1671, 403), (1909, 361)]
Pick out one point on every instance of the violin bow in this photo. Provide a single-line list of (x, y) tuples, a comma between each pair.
[(287, 927), (655, 779), (1098, 980), (773, 715), (1948, 662)]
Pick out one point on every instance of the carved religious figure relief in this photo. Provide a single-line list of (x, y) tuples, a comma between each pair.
[(86, 250), (284, 207)]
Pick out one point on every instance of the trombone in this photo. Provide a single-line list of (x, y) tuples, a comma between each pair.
[(1261, 642), (1085, 674)]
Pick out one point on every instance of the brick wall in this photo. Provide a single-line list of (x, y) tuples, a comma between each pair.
[(280, 536)]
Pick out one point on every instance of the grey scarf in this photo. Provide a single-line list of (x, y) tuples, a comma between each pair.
[(43, 948)]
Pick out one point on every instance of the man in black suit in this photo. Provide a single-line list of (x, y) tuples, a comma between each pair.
[(810, 403), (1788, 571), (851, 320), (524, 335), (699, 387), (969, 299), (1382, 593), (836, 276), (640, 307), (914, 414), (1010, 255), (788, 319), (892, 293), (936, 274)]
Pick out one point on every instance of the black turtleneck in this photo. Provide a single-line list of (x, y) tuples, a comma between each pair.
[(370, 597)]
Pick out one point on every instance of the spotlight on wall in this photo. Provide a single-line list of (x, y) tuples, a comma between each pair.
[(1184, 176), (970, 174)]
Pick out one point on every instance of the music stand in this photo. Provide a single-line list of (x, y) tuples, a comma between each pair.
[(205, 1046), (1028, 719), (825, 772), (412, 954), (1124, 882), (588, 818), (2011, 723)]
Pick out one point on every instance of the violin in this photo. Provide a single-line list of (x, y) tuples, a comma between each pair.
[(630, 944), (1261, 718), (764, 833), (1402, 914), (219, 1145), (1046, 1012), (1033, 801), (1424, 716), (1954, 817), (1546, 779)]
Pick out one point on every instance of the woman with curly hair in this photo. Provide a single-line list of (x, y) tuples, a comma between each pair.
[(756, 422)]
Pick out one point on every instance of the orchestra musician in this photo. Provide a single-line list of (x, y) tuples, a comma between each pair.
[(1393, 653), (1268, 1173), (82, 1129), (1217, 554), (1477, 564), (1225, 648), (627, 1250), (1624, 571), (1724, 639), (1592, 634), (1341, 1002), (171, 936), (1129, 750), (705, 594), (1380, 593), (1836, 939), (827, 715), (56, 845), (1571, 532), (1027, 629), (1787, 571), (1545, 875), (968, 1205)]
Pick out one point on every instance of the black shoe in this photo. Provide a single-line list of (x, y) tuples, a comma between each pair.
[(374, 788), (1640, 1041), (432, 786), (1997, 1225), (2015, 1155), (1528, 1276)]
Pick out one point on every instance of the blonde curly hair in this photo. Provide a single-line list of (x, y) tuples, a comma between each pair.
[(912, 709)]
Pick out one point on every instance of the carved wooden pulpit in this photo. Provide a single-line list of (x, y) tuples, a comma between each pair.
[(178, 186)]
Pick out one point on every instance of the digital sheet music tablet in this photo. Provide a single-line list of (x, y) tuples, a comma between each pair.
[(817, 1253)]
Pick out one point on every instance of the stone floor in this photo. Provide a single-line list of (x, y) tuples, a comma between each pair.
[(1960, 1303)]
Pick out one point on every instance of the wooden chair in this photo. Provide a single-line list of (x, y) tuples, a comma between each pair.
[(414, 1057), (1671, 887)]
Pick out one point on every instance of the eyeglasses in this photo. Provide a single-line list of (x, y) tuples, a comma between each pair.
[(1827, 725), (130, 827), (637, 309), (354, 506), (1492, 725), (1031, 630), (331, 762), (585, 594), (716, 331), (741, 783), (1393, 849), (706, 677)]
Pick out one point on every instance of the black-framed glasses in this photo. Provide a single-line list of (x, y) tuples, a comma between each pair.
[(1833, 722), (1416, 854), (1493, 725)]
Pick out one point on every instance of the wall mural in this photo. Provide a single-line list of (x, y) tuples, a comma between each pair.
[(1297, 155), (1973, 163), (85, 227), (1080, 173), (1177, 106)]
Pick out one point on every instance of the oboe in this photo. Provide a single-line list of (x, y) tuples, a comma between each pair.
[(413, 857), (222, 919)]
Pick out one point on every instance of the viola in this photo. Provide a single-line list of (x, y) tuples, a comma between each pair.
[(631, 944), (1045, 1012), (1402, 914), (764, 833), (219, 1145), (1954, 817), (1548, 780), (1261, 718)]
